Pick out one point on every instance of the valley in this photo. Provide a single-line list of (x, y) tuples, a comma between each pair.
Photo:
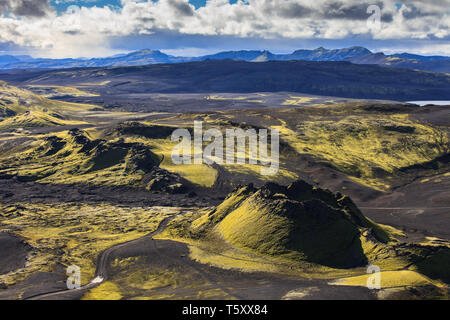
[(360, 182)]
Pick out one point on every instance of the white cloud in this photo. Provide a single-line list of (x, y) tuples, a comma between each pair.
[(429, 49), (86, 32)]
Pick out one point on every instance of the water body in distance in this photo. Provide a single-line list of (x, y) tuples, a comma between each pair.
[(437, 103)]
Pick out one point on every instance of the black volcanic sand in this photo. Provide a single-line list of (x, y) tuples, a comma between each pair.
[(170, 255), (13, 256), (174, 257), (13, 253), (228, 284), (12, 191), (420, 208), (35, 284), (151, 102)]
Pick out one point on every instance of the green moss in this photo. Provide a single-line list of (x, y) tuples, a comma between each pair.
[(299, 222), (389, 279), (142, 278), (309, 231), (105, 291), (35, 119), (74, 233), (372, 149), (198, 174), (75, 157)]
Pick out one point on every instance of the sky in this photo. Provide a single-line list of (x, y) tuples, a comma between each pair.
[(97, 28)]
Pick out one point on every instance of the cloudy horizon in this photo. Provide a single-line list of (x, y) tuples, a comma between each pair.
[(97, 28)]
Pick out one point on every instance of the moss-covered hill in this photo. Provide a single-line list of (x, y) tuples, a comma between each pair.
[(307, 224), (74, 156), (299, 220), (21, 108)]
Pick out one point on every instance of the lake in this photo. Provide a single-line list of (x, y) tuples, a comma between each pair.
[(437, 102)]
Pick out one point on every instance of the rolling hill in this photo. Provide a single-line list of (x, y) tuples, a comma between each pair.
[(72, 191), (434, 64), (329, 78), (299, 220), (21, 108), (308, 228)]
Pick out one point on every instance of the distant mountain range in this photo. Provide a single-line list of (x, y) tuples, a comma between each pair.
[(357, 55)]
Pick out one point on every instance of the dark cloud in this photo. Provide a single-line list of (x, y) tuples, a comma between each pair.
[(4, 6), (259, 26), (25, 8), (411, 12), (387, 17), (165, 39), (340, 10), (73, 32), (293, 10), (32, 8), (147, 20), (182, 8)]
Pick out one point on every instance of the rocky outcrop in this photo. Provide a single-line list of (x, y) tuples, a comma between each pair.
[(161, 180)]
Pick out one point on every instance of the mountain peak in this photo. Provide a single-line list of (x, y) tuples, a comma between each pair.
[(322, 54), (147, 51), (360, 49), (354, 54)]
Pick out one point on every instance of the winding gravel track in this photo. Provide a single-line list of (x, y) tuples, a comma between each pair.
[(235, 284), (101, 274)]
